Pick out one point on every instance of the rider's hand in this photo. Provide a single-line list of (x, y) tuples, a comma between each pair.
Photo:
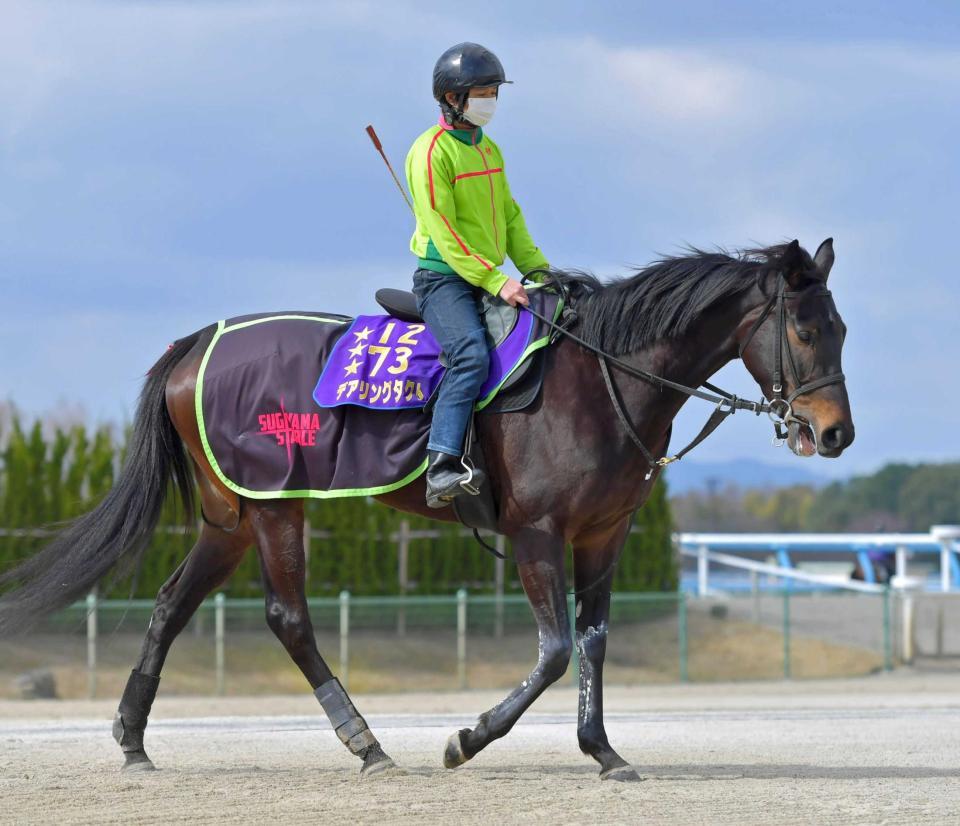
[(513, 293)]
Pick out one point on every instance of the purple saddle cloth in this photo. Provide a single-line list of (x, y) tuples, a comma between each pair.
[(383, 363)]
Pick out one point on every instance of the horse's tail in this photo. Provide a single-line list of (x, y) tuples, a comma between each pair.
[(119, 528)]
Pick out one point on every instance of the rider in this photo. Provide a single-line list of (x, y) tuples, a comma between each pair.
[(467, 222)]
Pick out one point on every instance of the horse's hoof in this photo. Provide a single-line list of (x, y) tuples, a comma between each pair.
[(380, 765), (137, 761), (453, 755), (621, 774)]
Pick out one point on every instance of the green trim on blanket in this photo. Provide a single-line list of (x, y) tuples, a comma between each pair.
[(198, 406), (278, 494), (240, 325)]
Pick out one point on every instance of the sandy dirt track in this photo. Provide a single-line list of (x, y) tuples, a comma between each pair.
[(883, 749)]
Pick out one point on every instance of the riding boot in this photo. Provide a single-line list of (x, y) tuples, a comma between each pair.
[(447, 477)]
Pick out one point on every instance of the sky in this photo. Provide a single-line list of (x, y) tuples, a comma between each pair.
[(167, 164)]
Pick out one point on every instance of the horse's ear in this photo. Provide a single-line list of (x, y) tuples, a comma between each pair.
[(792, 265), (824, 258)]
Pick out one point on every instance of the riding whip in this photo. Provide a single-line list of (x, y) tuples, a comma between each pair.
[(379, 147)]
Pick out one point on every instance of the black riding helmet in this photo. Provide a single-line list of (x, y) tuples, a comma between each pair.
[(459, 69)]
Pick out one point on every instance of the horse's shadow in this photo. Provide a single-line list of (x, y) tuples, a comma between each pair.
[(691, 771), (758, 771)]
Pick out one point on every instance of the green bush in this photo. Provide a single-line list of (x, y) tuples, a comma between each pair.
[(51, 476)]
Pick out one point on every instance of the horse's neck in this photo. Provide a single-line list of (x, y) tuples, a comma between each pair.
[(690, 360)]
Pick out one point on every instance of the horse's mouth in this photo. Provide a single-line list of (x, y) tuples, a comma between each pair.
[(801, 439)]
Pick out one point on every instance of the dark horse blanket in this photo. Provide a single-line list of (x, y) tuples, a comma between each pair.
[(272, 429)]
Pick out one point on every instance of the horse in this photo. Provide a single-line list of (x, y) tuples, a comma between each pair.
[(569, 470)]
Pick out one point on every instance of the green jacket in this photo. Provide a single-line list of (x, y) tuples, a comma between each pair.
[(467, 220)]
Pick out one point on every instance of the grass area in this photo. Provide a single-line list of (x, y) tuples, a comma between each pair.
[(424, 659)]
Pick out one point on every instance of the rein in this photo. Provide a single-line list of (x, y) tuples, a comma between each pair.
[(779, 409)]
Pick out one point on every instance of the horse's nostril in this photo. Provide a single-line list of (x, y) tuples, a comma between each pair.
[(833, 437)]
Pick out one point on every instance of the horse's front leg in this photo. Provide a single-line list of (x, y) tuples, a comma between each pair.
[(539, 558), (594, 562)]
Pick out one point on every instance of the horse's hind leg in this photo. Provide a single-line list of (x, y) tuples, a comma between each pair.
[(211, 561), (278, 529), (540, 563)]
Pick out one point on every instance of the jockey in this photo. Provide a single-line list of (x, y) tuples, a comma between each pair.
[(467, 223)]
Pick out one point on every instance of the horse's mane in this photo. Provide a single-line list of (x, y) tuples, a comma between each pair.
[(665, 298)]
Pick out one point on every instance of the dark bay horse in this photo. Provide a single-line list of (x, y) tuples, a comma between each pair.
[(564, 471)]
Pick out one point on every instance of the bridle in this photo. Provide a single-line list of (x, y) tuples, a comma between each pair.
[(780, 407)]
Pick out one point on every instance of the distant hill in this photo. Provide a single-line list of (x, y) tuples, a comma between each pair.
[(685, 476), (747, 495)]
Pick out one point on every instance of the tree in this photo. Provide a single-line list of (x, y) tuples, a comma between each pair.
[(649, 562), (780, 509), (930, 496), (840, 504), (48, 477)]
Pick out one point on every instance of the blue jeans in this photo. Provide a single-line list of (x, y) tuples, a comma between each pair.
[(447, 304)]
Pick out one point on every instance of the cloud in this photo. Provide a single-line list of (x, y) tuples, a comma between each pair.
[(709, 95), (682, 85), (697, 94), (165, 164), (28, 75), (93, 340), (63, 62)]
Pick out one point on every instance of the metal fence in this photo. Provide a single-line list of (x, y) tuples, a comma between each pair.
[(921, 561), (750, 619), (470, 641)]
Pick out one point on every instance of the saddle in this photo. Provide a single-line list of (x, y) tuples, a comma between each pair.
[(498, 317)]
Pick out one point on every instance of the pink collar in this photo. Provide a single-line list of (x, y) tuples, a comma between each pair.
[(443, 124), (468, 136)]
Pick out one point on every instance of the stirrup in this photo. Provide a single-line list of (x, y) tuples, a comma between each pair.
[(467, 484)]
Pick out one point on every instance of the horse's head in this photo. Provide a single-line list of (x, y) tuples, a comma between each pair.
[(792, 348)]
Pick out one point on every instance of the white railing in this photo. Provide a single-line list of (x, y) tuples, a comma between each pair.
[(723, 549), (704, 557)]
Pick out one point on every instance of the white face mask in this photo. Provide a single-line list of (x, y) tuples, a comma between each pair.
[(479, 111)]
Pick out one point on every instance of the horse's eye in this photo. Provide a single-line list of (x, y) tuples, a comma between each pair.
[(804, 335)]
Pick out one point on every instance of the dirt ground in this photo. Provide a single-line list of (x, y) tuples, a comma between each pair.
[(880, 749)]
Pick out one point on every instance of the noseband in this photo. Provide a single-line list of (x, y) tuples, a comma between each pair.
[(780, 408)]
